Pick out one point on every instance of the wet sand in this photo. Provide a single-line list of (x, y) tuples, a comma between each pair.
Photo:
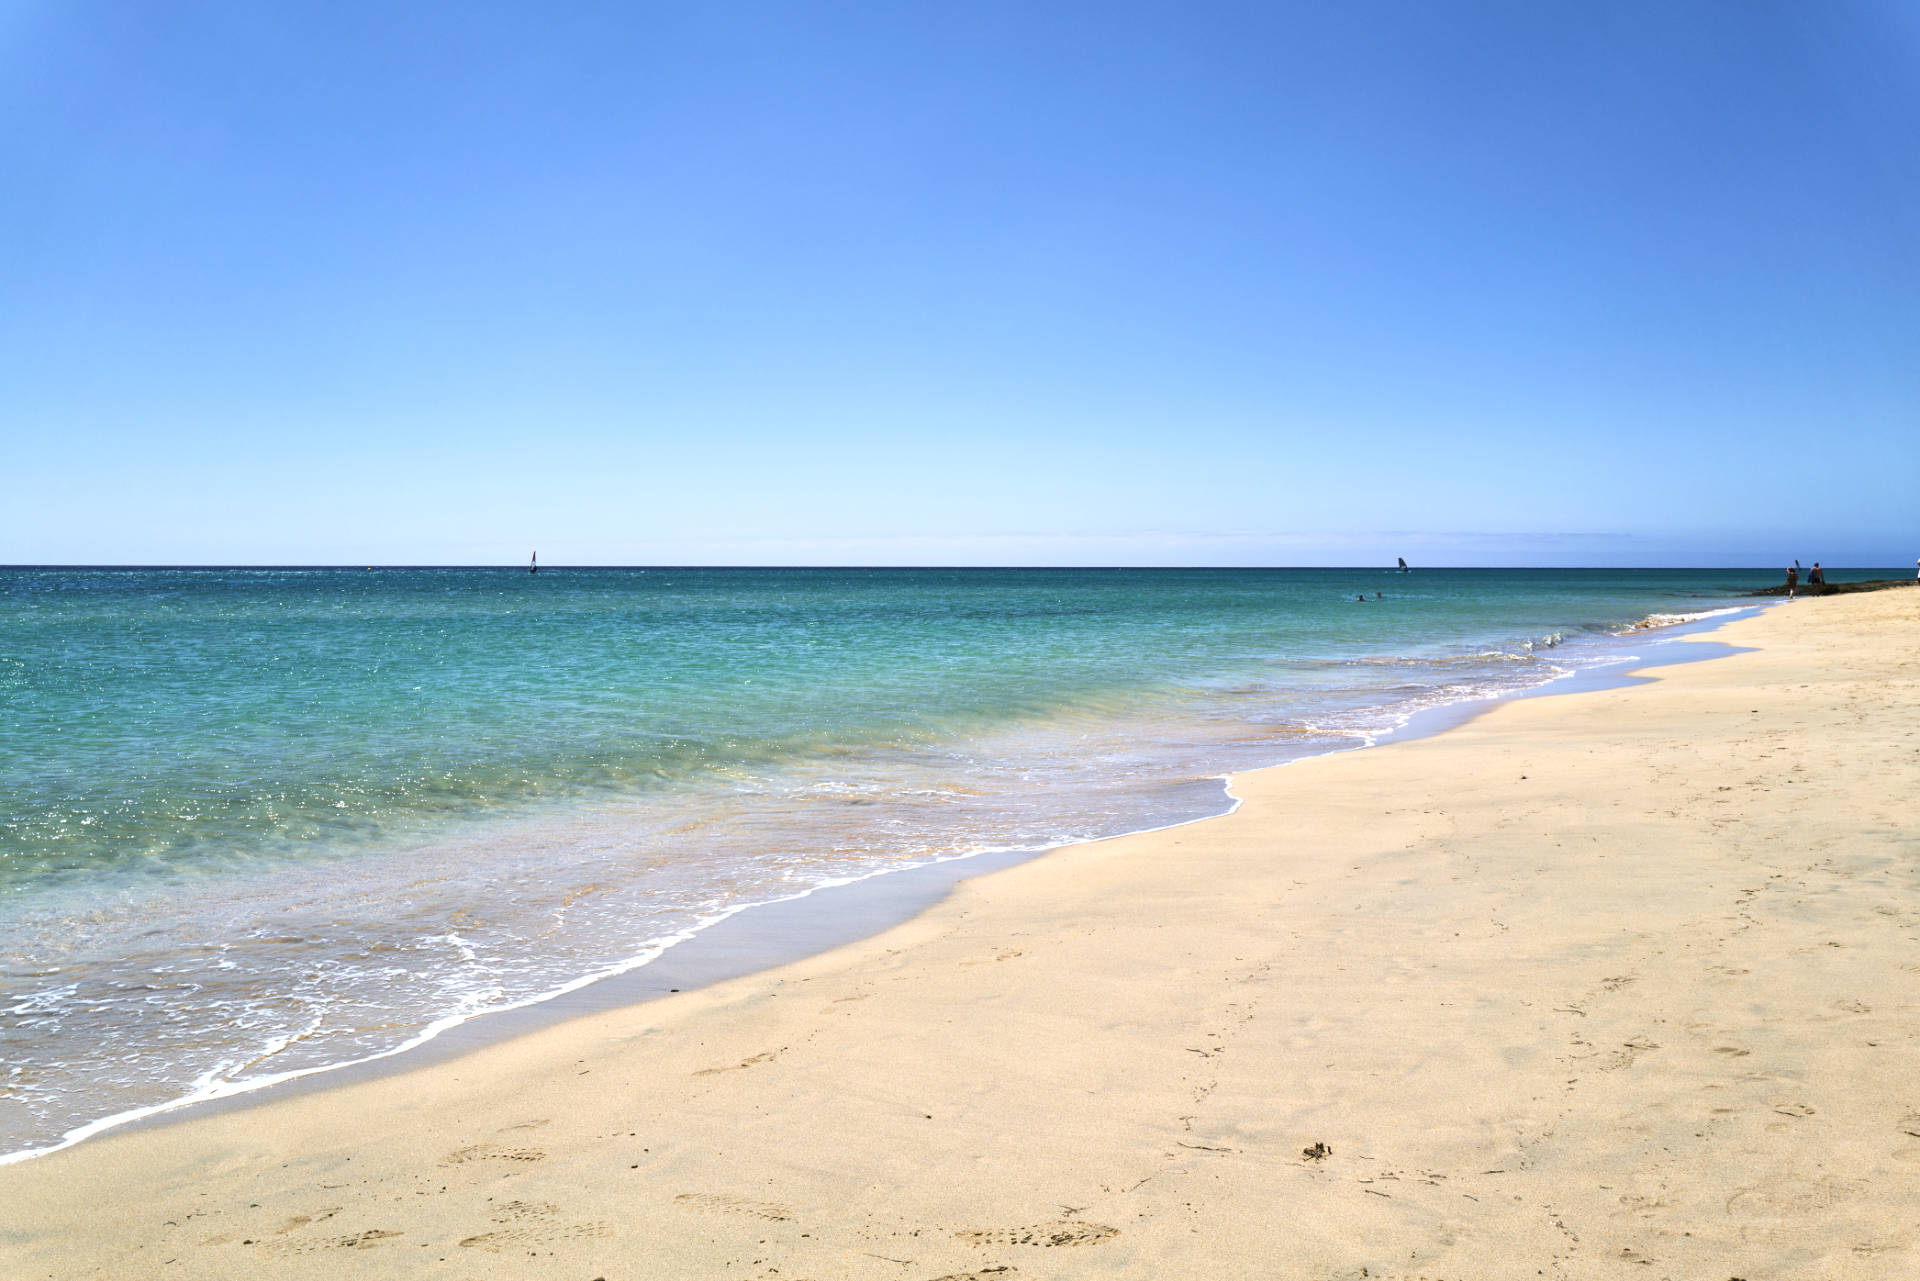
[(1617, 983)]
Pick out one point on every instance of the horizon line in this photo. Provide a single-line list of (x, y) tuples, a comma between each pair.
[(515, 567)]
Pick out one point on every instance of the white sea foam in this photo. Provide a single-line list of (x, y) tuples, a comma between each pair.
[(218, 1082)]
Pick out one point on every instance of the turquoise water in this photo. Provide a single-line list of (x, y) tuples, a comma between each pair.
[(259, 821)]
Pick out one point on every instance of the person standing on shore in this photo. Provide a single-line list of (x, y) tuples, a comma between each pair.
[(1818, 578), (1793, 578)]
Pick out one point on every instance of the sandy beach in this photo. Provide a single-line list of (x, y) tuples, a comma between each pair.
[(1621, 983)]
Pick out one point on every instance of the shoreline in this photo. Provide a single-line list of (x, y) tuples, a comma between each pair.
[(1589, 984), (756, 937)]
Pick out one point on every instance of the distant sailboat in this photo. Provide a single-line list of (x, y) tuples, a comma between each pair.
[(533, 566), (1403, 564)]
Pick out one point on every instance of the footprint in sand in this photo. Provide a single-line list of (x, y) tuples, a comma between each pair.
[(299, 1221), (1797, 1196), (1624, 1057), (984, 1274), (1065, 1232), (520, 1238), (765, 1057), (492, 1152), (1003, 956), (720, 1203), (352, 1241), (531, 1223)]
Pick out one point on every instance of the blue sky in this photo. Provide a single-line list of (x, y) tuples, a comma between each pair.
[(1018, 283)]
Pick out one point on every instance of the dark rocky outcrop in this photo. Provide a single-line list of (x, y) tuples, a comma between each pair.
[(1836, 589)]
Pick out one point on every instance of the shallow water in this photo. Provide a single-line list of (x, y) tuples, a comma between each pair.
[(255, 822)]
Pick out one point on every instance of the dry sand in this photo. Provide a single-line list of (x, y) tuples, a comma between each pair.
[(1614, 984)]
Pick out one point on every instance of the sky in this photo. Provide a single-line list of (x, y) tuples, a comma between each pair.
[(987, 283)]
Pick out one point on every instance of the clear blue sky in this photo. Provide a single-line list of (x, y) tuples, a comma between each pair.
[(981, 283)]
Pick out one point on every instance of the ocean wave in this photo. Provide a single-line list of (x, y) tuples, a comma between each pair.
[(1654, 621)]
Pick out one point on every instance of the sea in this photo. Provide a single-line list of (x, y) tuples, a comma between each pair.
[(257, 823)]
